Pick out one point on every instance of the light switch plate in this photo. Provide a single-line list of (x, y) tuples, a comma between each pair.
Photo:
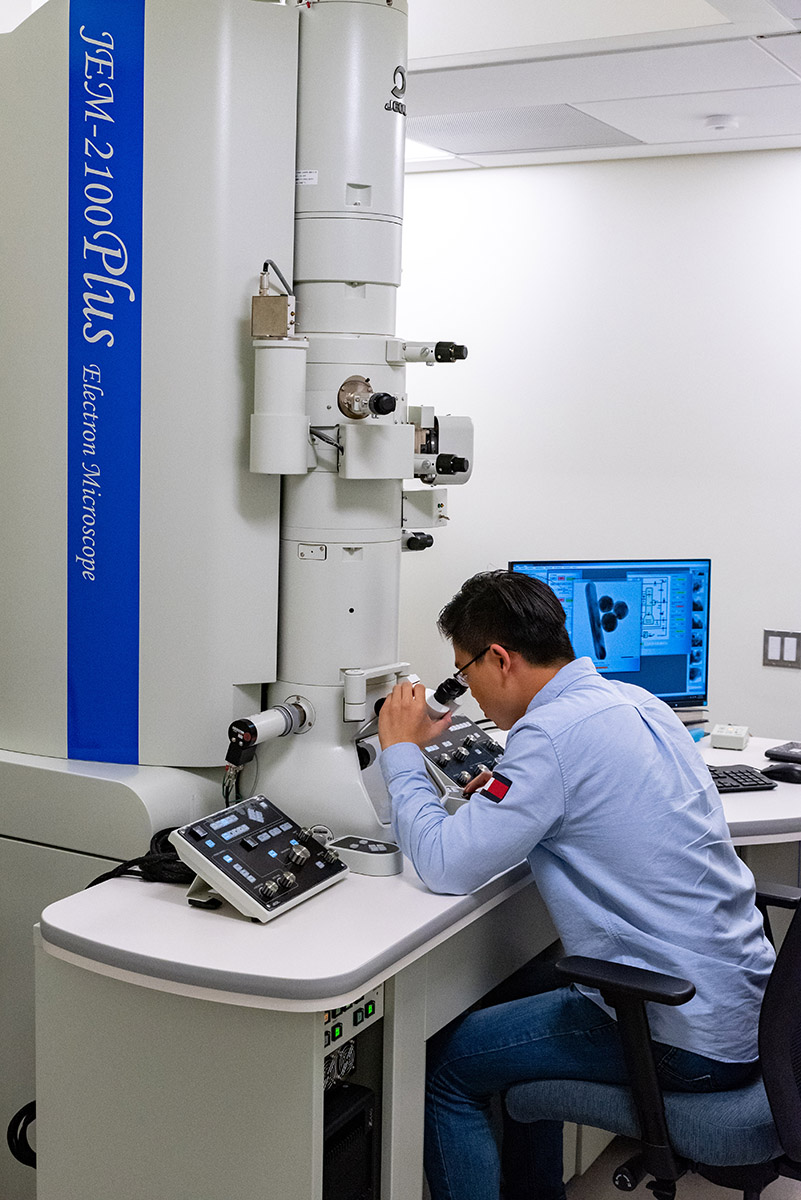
[(781, 648)]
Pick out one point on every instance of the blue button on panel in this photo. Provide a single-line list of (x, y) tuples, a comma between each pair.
[(210, 842)]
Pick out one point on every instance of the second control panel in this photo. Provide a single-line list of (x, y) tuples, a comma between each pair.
[(462, 753)]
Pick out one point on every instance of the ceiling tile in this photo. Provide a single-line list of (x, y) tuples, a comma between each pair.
[(451, 27), (787, 49), (545, 126), (449, 33), (715, 66), (760, 112)]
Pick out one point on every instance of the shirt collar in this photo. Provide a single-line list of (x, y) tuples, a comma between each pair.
[(578, 669)]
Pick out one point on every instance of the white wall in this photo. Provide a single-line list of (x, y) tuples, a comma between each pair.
[(634, 378)]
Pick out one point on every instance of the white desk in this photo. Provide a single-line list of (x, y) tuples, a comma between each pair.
[(184, 1047), (757, 818)]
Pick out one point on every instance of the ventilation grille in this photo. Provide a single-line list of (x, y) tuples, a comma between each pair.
[(543, 127)]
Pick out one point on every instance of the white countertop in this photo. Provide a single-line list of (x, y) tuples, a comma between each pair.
[(343, 941), (757, 817), (353, 936)]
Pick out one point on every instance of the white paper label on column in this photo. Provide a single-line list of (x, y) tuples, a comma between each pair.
[(775, 648), (306, 178)]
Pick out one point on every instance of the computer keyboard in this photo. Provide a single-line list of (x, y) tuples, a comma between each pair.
[(740, 779)]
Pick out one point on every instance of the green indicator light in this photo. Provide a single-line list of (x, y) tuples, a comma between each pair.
[(369, 1008), (336, 1032)]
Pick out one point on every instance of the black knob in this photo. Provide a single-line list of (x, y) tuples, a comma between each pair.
[(382, 404), (495, 747), (463, 778), (443, 760), (419, 541), (285, 880), (451, 464), (268, 889), (477, 769), (460, 754), (329, 855), (470, 740), (449, 352)]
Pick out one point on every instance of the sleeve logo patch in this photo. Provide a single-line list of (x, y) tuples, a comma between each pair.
[(497, 788)]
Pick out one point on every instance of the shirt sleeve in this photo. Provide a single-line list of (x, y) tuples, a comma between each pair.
[(497, 827)]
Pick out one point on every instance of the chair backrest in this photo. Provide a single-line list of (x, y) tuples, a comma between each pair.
[(780, 1040)]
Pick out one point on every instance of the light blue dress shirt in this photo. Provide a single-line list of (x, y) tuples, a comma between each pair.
[(608, 798)]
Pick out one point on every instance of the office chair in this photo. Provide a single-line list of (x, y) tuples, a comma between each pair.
[(743, 1138)]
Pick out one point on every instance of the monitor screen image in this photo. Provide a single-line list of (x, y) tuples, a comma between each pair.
[(640, 621)]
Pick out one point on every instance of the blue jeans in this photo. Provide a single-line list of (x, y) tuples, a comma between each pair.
[(558, 1034)]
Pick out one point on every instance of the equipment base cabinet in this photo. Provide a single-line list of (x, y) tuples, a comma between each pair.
[(152, 1084)]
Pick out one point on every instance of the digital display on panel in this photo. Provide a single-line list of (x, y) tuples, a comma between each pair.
[(640, 621)]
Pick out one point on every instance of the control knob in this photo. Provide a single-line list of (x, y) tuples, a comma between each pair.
[(443, 760), (495, 747), (329, 855), (268, 889), (470, 740), (463, 778), (285, 880), (297, 855), (460, 753), (449, 352), (382, 404)]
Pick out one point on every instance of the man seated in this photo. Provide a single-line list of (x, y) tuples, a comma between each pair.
[(604, 792)]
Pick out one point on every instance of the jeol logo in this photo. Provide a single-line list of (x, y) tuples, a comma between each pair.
[(398, 90)]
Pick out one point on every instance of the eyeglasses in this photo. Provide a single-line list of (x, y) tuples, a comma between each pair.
[(459, 675)]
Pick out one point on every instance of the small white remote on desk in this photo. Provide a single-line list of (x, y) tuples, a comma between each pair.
[(368, 856)]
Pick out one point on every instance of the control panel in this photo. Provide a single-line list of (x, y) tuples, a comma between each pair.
[(462, 753), (368, 856), (340, 1025), (256, 857)]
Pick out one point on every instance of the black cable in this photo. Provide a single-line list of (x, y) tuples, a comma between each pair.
[(17, 1135), (161, 864), (269, 263)]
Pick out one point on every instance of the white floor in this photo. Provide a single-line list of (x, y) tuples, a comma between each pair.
[(596, 1183)]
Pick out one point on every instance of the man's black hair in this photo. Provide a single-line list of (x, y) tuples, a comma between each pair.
[(514, 610)]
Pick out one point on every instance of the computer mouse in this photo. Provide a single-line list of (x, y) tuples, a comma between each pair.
[(785, 772)]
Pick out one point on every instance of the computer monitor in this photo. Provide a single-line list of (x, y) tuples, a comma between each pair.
[(641, 621)]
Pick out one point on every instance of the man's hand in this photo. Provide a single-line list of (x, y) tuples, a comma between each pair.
[(404, 717), (478, 782)]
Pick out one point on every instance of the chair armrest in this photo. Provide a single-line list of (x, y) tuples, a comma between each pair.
[(777, 895), (617, 980)]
